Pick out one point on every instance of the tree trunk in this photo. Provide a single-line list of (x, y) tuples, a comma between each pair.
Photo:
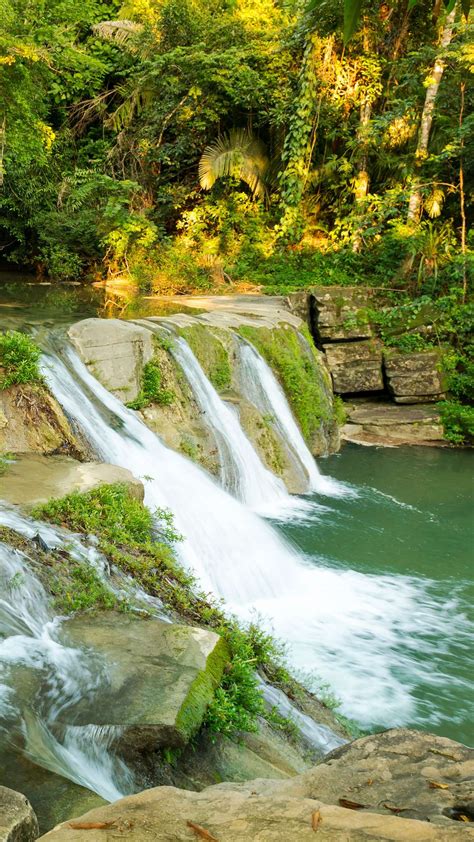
[(414, 203)]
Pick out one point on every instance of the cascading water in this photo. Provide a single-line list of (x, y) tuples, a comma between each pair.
[(261, 387), (364, 633), (243, 473), (40, 678)]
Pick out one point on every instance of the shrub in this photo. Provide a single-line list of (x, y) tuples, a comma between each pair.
[(19, 359), (152, 390), (458, 422)]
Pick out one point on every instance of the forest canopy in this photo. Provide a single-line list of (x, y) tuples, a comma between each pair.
[(192, 144)]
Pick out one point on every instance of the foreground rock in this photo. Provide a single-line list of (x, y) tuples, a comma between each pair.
[(31, 421), (400, 785), (415, 377), (115, 352), (382, 423), (162, 677), (17, 820), (56, 476)]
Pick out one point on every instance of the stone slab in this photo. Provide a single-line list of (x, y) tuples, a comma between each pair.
[(115, 353), (355, 366), (33, 479), (413, 376), (161, 677)]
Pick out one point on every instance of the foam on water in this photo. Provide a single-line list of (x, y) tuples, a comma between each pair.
[(368, 636)]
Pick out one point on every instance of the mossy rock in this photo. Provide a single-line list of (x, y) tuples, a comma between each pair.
[(211, 348), (162, 677)]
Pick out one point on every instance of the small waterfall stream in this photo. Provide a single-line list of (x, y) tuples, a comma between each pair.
[(243, 474), (365, 632), (40, 678), (261, 387)]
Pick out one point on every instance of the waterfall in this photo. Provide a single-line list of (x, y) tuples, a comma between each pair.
[(32, 656), (261, 387), (242, 472), (363, 633)]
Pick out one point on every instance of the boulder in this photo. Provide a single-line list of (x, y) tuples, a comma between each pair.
[(18, 822), (383, 423), (400, 785), (56, 476), (161, 677), (415, 377), (335, 313), (115, 353), (31, 421), (355, 366)]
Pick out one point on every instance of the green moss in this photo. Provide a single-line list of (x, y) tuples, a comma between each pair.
[(152, 390), (19, 359), (211, 354), (300, 372), (201, 692)]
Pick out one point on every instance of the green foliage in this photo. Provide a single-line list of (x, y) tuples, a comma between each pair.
[(152, 390), (19, 359), (6, 460), (82, 591), (458, 422)]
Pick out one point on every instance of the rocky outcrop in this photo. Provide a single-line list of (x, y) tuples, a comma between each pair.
[(31, 421), (399, 785), (382, 423), (56, 476), (115, 352), (18, 822), (162, 677), (415, 377), (355, 366), (335, 313)]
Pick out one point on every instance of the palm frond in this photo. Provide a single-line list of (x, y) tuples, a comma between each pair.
[(118, 31), (238, 153)]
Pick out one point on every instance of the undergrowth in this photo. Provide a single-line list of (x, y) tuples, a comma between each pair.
[(19, 359)]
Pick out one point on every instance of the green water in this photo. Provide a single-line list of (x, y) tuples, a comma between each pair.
[(411, 521)]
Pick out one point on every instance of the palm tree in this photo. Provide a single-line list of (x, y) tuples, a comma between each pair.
[(239, 154)]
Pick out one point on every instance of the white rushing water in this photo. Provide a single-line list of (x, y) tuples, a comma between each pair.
[(367, 635), (262, 388), (242, 473), (40, 678)]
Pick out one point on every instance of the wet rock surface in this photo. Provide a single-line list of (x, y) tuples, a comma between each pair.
[(56, 476), (115, 352), (398, 785), (18, 822), (162, 676)]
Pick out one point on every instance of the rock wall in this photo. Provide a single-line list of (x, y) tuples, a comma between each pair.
[(31, 421)]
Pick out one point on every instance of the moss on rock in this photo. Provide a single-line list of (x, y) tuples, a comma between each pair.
[(210, 348)]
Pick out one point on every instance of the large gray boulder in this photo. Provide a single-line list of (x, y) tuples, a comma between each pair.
[(162, 677), (56, 476), (401, 785), (355, 366), (415, 377), (31, 421), (335, 313), (115, 353), (18, 822)]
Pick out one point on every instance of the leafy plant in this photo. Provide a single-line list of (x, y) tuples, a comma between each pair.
[(238, 154), (19, 359), (151, 390)]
